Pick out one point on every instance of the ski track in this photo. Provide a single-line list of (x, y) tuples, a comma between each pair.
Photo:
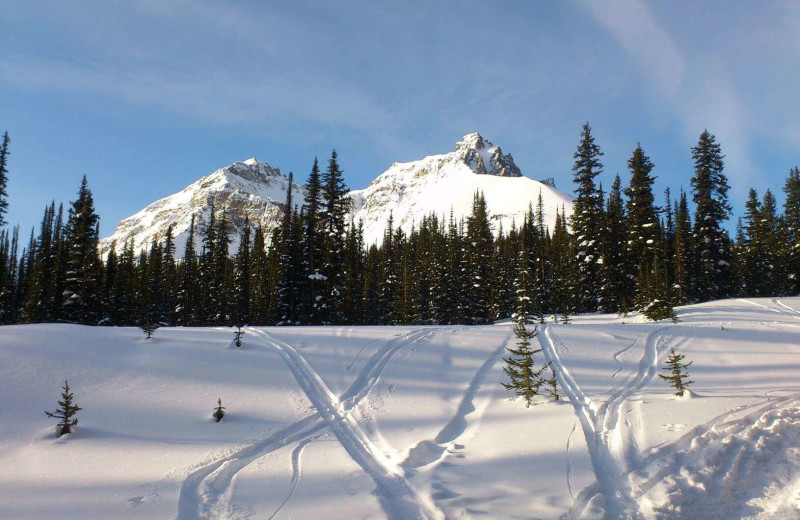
[(206, 492), (569, 463), (397, 496), (621, 367), (295, 472), (603, 427), (776, 301)]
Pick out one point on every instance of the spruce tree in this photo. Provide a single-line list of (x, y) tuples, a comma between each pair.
[(4, 153), (480, 240), (168, 277), (524, 378), (552, 385), (188, 294), (683, 249), (148, 326), (289, 268), (564, 269), (82, 283), (791, 246), (541, 260), (587, 208), (336, 205), (655, 300), (616, 267), (66, 412), (712, 246), (678, 373), (643, 225), (219, 411), (241, 305), (312, 246), (259, 286)]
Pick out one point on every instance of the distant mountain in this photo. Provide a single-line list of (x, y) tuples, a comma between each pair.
[(439, 183), (408, 191), (249, 188)]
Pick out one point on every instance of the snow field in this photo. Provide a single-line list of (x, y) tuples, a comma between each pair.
[(406, 422)]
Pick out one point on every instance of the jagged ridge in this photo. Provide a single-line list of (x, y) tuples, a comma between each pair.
[(436, 184)]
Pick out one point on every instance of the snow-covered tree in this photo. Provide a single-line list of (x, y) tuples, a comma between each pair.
[(4, 153), (82, 283), (712, 255), (587, 209), (524, 378)]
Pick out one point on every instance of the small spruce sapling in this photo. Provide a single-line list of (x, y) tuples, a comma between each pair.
[(219, 411), (148, 327), (66, 412), (238, 335), (525, 380), (678, 377), (552, 385)]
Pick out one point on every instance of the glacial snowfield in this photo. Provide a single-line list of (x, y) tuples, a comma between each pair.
[(406, 422)]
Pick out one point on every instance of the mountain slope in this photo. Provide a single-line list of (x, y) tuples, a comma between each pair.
[(408, 191), (249, 188), (439, 183)]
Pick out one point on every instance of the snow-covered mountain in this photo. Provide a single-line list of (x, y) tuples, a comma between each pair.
[(435, 184), (408, 191), (249, 188)]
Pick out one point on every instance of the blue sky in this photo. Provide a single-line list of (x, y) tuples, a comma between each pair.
[(145, 97)]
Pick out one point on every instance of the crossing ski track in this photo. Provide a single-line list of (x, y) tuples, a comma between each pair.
[(603, 427), (399, 499), (206, 493)]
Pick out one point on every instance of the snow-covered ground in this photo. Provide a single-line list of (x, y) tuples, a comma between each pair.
[(406, 422)]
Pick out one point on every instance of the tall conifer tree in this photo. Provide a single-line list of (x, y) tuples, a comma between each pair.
[(4, 153), (712, 254), (586, 218), (82, 283)]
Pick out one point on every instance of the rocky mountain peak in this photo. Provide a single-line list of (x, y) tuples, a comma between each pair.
[(251, 170), (484, 157), (471, 141)]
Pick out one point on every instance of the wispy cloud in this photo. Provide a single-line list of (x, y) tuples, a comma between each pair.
[(633, 25), (699, 91)]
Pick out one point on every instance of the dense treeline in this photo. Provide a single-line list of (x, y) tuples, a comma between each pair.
[(619, 251)]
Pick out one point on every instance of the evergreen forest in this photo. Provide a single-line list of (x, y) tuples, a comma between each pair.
[(622, 250)]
